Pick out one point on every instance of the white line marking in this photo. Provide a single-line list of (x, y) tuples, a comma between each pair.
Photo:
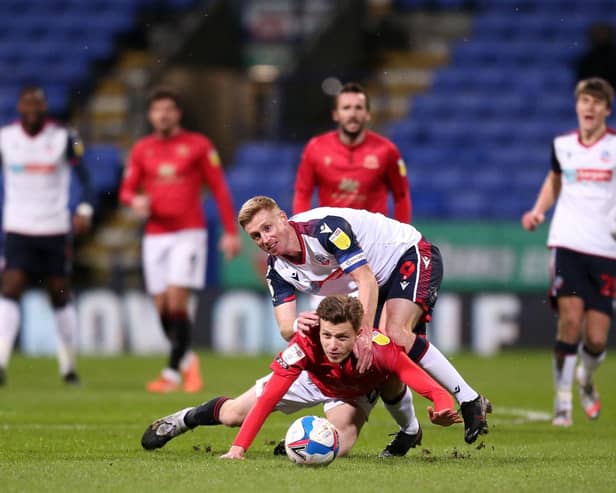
[(515, 415)]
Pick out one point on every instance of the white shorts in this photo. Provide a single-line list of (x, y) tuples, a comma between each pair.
[(174, 259), (303, 393)]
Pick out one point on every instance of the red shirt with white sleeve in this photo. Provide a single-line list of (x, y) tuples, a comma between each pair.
[(357, 176), (172, 172), (339, 380)]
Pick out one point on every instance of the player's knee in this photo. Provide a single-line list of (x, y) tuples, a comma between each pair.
[(391, 390), (596, 341), (231, 414)]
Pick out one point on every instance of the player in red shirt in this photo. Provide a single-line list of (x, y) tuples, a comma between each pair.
[(163, 183), (318, 367), (353, 166)]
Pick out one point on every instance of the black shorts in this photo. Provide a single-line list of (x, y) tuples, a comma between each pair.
[(417, 277), (589, 277), (42, 256)]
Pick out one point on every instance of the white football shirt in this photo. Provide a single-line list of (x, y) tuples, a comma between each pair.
[(37, 177), (587, 196), (336, 241)]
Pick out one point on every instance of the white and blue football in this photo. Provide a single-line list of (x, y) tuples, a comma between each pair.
[(312, 441)]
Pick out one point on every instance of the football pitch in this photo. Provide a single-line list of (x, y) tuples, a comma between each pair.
[(54, 438)]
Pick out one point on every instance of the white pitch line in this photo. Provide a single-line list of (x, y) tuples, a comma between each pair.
[(66, 426), (515, 415)]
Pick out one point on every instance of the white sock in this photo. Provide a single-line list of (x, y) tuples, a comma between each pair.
[(9, 326), (403, 413), (66, 330), (563, 381), (444, 373), (589, 364)]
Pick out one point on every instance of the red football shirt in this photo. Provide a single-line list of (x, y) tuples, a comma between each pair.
[(358, 176), (340, 380), (172, 172)]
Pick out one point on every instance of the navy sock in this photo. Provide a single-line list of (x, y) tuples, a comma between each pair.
[(206, 414)]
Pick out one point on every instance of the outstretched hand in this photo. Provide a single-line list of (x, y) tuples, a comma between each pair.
[(445, 417), (532, 219), (235, 452)]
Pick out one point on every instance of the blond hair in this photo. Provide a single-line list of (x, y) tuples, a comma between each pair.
[(596, 87), (254, 205)]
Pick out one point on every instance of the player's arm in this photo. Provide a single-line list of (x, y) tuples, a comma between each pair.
[(285, 317), (304, 183), (549, 192), (274, 390), (339, 239), (286, 367), (417, 379), (230, 243), (129, 194), (399, 186), (283, 298), (82, 218)]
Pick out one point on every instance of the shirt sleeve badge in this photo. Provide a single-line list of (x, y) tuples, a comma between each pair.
[(380, 338), (340, 239)]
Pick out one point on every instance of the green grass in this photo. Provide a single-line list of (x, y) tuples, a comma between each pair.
[(54, 438)]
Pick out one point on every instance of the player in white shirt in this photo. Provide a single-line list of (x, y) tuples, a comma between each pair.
[(396, 272), (37, 155), (582, 184)]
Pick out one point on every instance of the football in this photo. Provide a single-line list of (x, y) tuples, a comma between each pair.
[(312, 441)]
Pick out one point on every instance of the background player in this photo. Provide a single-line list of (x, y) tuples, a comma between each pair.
[(37, 155), (582, 183), (353, 166), (163, 183), (316, 368), (393, 268)]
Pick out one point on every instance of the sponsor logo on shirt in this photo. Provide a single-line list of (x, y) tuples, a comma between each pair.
[(371, 161), (166, 170), (380, 338), (292, 354), (33, 168), (589, 174), (340, 239), (325, 228), (348, 185)]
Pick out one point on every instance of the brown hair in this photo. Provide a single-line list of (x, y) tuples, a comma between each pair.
[(352, 87), (252, 206), (339, 309), (596, 87), (164, 92)]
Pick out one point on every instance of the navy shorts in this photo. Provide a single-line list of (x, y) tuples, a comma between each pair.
[(43, 256), (589, 277), (417, 277)]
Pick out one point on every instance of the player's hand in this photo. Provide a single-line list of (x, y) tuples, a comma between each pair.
[(306, 321), (81, 224), (230, 245), (235, 452), (363, 350), (532, 219), (141, 206), (445, 417)]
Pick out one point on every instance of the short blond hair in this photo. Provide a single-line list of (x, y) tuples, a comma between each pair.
[(596, 87), (254, 205)]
